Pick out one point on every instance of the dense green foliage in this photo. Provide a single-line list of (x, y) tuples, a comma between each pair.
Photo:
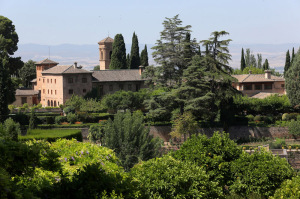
[(129, 138), (144, 57), (288, 189), (287, 62), (167, 177), (135, 61), (243, 64), (118, 56), (293, 81), (28, 73), (32, 120), (294, 127), (10, 130), (214, 154), (266, 65), (260, 172)]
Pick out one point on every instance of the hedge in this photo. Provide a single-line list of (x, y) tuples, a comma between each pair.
[(51, 126), (52, 135)]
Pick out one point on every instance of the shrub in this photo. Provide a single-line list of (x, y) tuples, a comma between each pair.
[(268, 119), (96, 133), (288, 189), (294, 127), (250, 118), (260, 172), (32, 120), (258, 118), (293, 116), (10, 130), (167, 177), (72, 118), (69, 109), (285, 116), (214, 154), (60, 119)]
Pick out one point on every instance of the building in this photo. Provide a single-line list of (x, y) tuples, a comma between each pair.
[(259, 85), (55, 84)]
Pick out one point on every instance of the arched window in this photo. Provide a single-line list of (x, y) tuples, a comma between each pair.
[(48, 103), (54, 103), (101, 55), (51, 103), (110, 54)]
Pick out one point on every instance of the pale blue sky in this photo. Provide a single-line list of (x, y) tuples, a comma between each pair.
[(53, 22)]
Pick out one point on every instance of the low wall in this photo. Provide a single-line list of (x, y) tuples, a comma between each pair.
[(235, 132)]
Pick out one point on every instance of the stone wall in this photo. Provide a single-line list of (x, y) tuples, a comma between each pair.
[(235, 132)]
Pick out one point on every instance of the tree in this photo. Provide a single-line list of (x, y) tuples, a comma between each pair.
[(243, 64), (4, 88), (118, 56), (97, 67), (188, 52), (293, 81), (11, 129), (32, 120), (259, 61), (287, 62), (266, 65), (135, 61), (288, 189), (144, 57), (28, 72), (168, 52), (247, 57), (293, 55), (128, 61), (130, 139), (167, 177), (184, 125)]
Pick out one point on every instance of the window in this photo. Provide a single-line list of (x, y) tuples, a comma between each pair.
[(137, 87), (101, 90), (258, 86), (129, 87), (55, 92), (39, 79), (282, 85), (70, 91), (70, 80), (247, 86), (84, 90), (48, 91), (51, 92), (43, 80), (44, 91), (51, 81), (268, 86), (47, 80), (84, 80), (111, 87), (121, 86), (54, 81), (24, 100)]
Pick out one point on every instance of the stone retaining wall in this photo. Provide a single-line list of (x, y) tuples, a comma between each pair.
[(235, 132)]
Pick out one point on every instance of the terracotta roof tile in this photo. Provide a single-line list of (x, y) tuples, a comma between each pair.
[(257, 78), (64, 69), (117, 75), (106, 40), (46, 61), (26, 92), (262, 95)]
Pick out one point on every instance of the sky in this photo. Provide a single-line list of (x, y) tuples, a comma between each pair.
[(54, 22)]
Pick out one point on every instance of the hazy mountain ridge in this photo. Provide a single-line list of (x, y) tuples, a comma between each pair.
[(88, 55)]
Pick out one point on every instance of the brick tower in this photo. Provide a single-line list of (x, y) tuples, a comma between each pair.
[(105, 50)]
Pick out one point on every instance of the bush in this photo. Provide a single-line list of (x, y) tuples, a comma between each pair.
[(250, 118), (69, 109), (169, 178), (96, 133), (10, 130), (285, 117), (294, 127), (258, 118), (288, 189), (214, 154), (60, 119), (260, 172), (72, 118)]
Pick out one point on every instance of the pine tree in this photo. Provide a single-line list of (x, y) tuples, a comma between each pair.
[(243, 64), (144, 57), (4, 89), (287, 62), (118, 56), (293, 55), (187, 49), (135, 61), (266, 65)]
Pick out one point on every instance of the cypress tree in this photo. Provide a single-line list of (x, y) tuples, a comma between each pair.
[(118, 56), (128, 61), (135, 61), (4, 88), (266, 65), (243, 63), (144, 57), (287, 62), (293, 55), (187, 51), (293, 81)]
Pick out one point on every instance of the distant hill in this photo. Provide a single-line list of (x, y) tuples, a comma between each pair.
[(88, 55)]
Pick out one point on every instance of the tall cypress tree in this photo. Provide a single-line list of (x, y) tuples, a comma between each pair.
[(135, 61), (4, 88), (266, 65), (187, 50), (118, 56), (243, 63), (144, 57), (292, 81), (128, 61), (287, 62), (293, 55)]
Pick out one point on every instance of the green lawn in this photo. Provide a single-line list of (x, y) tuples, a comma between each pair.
[(52, 134)]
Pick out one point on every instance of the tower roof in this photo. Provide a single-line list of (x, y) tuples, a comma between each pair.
[(46, 61), (106, 40)]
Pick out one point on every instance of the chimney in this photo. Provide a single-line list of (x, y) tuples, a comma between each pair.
[(267, 74), (141, 69), (75, 64), (250, 71)]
